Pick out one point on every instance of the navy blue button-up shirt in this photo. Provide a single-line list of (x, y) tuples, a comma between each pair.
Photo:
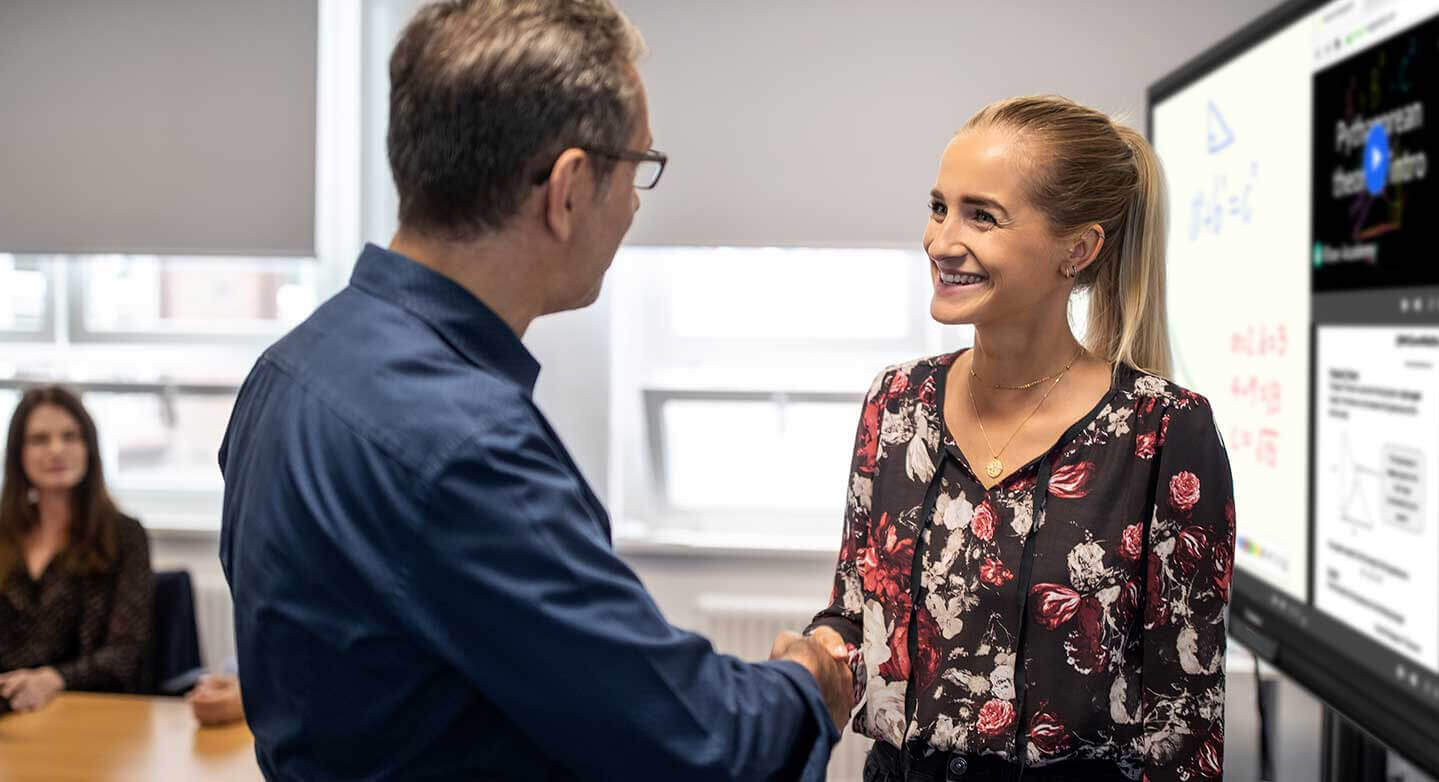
[(425, 586)]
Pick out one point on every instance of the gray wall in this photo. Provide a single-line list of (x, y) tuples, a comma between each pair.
[(162, 126), (809, 122)]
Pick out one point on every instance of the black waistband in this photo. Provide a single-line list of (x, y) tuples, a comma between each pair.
[(955, 767)]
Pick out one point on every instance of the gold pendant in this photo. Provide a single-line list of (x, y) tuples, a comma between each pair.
[(994, 468)]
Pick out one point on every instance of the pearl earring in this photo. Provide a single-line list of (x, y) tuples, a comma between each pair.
[(33, 495)]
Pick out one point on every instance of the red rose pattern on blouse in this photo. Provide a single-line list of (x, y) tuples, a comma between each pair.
[(1124, 615)]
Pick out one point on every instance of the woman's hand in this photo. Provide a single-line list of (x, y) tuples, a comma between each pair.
[(832, 642), (216, 700), (30, 689)]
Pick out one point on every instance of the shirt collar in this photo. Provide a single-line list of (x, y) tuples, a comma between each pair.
[(461, 319)]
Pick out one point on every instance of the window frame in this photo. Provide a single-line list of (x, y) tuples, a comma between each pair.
[(78, 288), (655, 429), (47, 330), (651, 366)]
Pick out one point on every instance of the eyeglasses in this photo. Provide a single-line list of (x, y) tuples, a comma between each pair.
[(649, 165)]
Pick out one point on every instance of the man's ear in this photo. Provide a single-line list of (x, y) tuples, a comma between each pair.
[(571, 182), (1086, 248)]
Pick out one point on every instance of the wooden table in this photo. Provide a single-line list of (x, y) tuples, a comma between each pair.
[(81, 736)]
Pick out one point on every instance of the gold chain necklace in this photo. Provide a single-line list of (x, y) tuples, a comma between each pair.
[(1024, 387), (995, 468)]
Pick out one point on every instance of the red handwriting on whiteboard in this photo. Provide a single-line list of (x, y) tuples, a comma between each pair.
[(1260, 341), (1261, 443), (1261, 393), (1266, 394)]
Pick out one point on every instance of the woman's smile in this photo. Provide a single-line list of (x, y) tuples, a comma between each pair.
[(953, 283)]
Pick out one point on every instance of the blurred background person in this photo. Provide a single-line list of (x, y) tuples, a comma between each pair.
[(75, 580)]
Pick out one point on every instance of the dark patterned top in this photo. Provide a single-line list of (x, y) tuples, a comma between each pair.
[(92, 628), (1106, 562)]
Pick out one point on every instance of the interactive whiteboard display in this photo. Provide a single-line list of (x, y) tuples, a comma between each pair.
[(1304, 302)]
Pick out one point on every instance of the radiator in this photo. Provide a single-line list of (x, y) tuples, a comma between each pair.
[(746, 626), (215, 616)]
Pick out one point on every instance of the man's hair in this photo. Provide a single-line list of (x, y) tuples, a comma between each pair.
[(484, 94)]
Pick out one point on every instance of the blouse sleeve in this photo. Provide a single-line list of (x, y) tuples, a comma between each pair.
[(113, 643), (1190, 546), (846, 606)]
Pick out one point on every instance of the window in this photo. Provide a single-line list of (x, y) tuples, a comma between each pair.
[(737, 379), (157, 347), (790, 448), (24, 297), (149, 297)]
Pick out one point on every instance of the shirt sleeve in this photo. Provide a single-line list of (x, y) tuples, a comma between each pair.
[(114, 632), (513, 580), (845, 612), (1190, 547)]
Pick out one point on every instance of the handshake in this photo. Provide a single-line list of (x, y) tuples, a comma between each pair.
[(823, 653)]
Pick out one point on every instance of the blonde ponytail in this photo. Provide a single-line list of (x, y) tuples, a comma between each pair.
[(1090, 170), (1127, 318)]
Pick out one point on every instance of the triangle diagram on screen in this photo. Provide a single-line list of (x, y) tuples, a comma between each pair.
[(1360, 487), (1220, 136)]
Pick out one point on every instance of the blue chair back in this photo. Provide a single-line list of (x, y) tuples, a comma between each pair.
[(173, 663)]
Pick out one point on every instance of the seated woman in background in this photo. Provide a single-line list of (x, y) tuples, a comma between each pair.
[(75, 591)]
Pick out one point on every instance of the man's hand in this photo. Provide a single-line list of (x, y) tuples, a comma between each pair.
[(216, 700), (29, 689), (836, 684), (832, 642)]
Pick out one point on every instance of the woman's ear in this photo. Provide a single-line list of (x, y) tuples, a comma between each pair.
[(1083, 251)]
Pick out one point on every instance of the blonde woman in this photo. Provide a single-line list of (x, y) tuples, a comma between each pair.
[(1039, 534)]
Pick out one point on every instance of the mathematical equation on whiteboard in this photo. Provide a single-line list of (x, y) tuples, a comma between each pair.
[(1261, 443), (1229, 199), (1260, 342), (1257, 392)]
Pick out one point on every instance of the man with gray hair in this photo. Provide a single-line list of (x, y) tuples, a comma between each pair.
[(424, 584)]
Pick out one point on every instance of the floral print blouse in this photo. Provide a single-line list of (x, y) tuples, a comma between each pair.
[(1075, 610)]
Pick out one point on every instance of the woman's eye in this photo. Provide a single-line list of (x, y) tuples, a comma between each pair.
[(985, 217), (937, 208)]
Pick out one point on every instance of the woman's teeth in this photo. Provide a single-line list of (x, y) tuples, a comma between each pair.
[(961, 279)]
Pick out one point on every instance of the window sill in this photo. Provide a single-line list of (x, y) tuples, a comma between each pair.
[(181, 530), (627, 543), (638, 542)]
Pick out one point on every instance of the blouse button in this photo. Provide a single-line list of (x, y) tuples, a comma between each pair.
[(958, 767)]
